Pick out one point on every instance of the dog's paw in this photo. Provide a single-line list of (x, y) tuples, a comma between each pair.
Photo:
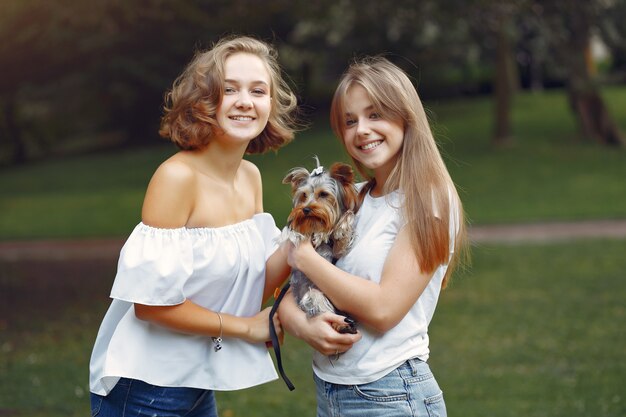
[(289, 235), (348, 328)]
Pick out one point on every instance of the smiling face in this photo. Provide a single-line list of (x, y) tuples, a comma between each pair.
[(246, 104), (370, 138)]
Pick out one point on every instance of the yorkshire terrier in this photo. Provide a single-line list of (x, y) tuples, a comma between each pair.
[(324, 203)]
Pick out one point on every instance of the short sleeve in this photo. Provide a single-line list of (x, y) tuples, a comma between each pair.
[(154, 265), (269, 232)]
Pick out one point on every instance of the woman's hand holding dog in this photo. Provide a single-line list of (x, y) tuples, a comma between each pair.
[(318, 331), (298, 255)]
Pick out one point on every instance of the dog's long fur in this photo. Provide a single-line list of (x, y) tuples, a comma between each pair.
[(324, 203)]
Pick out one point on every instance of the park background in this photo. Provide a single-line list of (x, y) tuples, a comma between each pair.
[(527, 100)]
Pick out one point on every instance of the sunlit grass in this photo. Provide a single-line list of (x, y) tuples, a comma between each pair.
[(540, 327)]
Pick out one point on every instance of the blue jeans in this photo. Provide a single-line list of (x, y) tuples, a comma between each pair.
[(134, 398), (409, 390)]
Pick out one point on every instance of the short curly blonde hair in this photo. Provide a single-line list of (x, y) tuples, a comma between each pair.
[(190, 107)]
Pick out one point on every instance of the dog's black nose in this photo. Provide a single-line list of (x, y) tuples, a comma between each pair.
[(306, 210)]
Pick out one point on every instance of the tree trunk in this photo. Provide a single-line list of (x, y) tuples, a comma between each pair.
[(12, 130), (594, 118), (536, 74), (504, 86), (587, 104), (584, 96)]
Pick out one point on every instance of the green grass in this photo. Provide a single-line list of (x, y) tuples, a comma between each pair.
[(539, 328), (548, 173), (529, 331)]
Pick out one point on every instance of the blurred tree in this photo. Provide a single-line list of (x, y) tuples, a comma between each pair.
[(25, 53), (505, 80), (493, 26), (533, 49), (428, 40), (613, 32), (78, 68), (73, 70), (562, 29), (496, 22), (571, 23), (67, 58)]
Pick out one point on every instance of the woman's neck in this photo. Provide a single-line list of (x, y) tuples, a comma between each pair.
[(219, 163)]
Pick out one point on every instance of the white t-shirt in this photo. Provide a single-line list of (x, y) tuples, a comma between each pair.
[(378, 222), (222, 269)]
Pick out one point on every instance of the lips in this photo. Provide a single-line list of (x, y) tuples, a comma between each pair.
[(242, 118), (370, 145)]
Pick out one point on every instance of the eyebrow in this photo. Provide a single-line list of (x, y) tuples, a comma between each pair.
[(228, 80)]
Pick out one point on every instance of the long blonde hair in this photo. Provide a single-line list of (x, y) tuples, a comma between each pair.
[(189, 118), (420, 173)]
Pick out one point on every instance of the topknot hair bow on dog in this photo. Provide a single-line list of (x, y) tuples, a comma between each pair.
[(317, 171)]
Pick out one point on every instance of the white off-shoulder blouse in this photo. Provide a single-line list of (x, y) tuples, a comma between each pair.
[(221, 269)]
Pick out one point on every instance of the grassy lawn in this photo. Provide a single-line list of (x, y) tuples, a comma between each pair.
[(549, 173), (533, 330), (528, 331)]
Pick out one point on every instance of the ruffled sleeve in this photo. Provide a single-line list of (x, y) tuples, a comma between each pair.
[(154, 265), (269, 232)]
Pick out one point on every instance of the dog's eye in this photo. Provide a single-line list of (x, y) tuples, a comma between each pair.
[(302, 198), (323, 194)]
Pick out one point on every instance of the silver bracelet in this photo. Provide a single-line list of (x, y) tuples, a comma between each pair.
[(217, 341)]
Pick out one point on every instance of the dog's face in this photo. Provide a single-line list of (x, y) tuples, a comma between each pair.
[(320, 198)]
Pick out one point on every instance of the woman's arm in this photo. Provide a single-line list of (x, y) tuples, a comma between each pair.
[(276, 268), (318, 331), (190, 318), (276, 271), (379, 305)]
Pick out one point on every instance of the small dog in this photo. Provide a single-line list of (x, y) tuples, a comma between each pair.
[(323, 210)]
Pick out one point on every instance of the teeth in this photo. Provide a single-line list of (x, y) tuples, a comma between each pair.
[(242, 118), (371, 145)]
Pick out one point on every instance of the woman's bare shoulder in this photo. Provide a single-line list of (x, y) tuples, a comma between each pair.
[(250, 170), (170, 195), (253, 180)]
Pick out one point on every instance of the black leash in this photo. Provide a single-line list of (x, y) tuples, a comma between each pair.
[(274, 337)]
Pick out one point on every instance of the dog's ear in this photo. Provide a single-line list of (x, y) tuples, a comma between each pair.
[(350, 197), (343, 174), (343, 234), (295, 177)]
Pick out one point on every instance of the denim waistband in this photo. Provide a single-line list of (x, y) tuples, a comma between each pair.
[(415, 368)]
